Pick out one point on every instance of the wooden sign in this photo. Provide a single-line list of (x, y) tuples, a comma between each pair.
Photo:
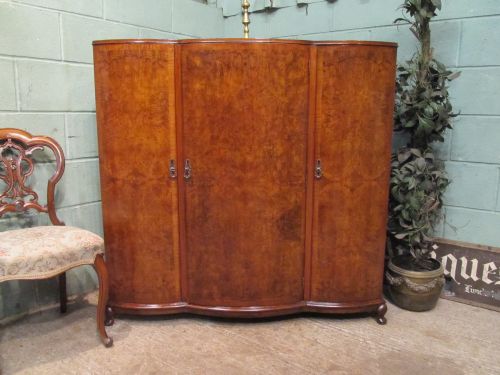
[(472, 272)]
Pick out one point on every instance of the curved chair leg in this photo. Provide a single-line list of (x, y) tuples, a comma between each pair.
[(102, 274), (381, 310), (63, 297)]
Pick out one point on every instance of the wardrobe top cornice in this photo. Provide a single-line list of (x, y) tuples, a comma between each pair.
[(246, 41)]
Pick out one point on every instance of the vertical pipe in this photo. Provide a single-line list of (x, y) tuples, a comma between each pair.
[(246, 19)]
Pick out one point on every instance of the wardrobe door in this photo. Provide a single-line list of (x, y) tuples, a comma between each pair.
[(136, 117), (354, 105), (244, 126)]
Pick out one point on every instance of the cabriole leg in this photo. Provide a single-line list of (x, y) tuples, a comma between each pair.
[(110, 317), (381, 310), (102, 274)]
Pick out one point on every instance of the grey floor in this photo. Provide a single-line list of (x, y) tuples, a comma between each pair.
[(452, 339)]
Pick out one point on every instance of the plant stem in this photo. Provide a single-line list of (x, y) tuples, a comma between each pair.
[(424, 32)]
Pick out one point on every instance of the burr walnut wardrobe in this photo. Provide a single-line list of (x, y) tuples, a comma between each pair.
[(245, 177)]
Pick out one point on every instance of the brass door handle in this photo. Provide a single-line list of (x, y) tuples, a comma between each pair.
[(318, 171), (172, 171), (187, 170)]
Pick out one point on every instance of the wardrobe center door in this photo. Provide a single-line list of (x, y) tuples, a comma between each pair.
[(354, 108), (244, 126)]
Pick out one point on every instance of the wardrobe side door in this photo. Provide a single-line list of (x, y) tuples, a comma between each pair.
[(136, 122), (354, 104), (245, 115)]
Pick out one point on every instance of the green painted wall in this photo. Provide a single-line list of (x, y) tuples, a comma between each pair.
[(46, 83)]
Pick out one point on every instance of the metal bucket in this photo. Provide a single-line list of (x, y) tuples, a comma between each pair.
[(414, 290)]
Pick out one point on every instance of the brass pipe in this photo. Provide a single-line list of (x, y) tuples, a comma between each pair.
[(246, 19)]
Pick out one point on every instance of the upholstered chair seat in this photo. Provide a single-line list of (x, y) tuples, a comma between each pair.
[(41, 252)]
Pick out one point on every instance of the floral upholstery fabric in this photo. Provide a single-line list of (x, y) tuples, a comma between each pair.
[(39, 252)]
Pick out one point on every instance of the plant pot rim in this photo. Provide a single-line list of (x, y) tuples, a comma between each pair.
[(416, 274)]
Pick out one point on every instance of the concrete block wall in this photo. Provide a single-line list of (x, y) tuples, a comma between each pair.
[(46, 87), (466, 37)]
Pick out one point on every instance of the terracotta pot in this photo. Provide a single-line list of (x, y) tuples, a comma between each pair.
[(414, 290)]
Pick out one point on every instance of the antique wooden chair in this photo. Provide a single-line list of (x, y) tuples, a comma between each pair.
[(43, 251)]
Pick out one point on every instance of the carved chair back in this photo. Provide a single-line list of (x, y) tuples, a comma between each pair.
[(17, 165)]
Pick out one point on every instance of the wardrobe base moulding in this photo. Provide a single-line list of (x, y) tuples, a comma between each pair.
[(377, 307)]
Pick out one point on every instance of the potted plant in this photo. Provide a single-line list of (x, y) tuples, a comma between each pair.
[(418, 180)]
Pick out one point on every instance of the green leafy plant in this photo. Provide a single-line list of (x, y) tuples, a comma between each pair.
[(423, 113), (418, 182)]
